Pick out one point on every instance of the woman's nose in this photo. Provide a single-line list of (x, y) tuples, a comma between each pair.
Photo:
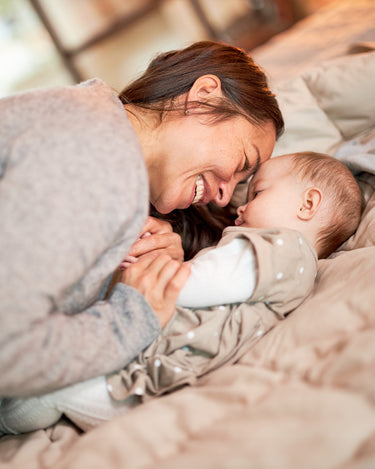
[(225, 193)]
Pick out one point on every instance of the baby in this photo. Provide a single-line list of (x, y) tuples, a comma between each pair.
[(299, 208)]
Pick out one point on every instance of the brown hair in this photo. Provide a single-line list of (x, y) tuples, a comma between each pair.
[(198, 226), (342, 192), (171, 74)]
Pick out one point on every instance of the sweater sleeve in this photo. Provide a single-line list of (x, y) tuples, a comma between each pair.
[(74, 197), (63, 349)]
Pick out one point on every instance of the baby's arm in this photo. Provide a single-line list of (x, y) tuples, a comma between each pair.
[(226, 274)]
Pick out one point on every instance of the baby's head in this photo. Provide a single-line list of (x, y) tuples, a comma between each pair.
[(310, 192)]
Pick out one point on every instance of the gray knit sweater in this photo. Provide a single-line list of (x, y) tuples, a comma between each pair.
[(73, 199)]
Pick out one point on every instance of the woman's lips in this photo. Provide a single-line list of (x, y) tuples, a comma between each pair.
[(201, 194)]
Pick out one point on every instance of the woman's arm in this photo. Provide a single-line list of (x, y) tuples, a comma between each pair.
[(59, 349), (73, 201)]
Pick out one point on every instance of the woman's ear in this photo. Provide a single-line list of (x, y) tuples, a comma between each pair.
[(310, 202), (205, 88)]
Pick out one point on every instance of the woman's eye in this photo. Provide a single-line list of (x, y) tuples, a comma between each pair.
[(245, 167)]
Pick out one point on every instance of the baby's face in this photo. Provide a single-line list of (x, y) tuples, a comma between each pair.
[(274, 196)]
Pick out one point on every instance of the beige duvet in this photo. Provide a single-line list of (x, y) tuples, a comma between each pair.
[(304, 396)]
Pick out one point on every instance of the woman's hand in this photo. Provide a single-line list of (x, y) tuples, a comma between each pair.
[(157, 236), (159, 278)]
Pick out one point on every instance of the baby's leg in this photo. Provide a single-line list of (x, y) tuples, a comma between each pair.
[(87, 404), (25, 415)]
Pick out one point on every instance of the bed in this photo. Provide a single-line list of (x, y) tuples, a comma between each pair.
[(304, 395)]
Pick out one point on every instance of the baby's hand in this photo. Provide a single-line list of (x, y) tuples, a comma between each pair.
[(159, 278)]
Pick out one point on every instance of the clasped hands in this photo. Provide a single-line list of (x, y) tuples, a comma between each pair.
[(155, 267)]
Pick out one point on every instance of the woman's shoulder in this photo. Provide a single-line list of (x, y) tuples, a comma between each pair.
[(93, 96)]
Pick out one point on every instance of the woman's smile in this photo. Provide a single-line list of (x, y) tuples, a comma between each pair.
[(199, 190)]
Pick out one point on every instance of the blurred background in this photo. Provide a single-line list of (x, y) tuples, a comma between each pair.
[(59, 42)]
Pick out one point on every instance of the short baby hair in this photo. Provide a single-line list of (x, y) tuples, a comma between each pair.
[(341, 194)]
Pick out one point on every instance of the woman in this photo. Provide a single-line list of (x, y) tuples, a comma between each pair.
[(78, 167)]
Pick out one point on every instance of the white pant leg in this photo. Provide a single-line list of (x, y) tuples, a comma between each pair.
[(87, 404), (19, 415)]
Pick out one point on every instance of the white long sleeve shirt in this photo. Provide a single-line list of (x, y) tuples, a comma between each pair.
[(226, 274)]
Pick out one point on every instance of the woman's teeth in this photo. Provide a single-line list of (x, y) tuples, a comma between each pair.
[(199, 189)]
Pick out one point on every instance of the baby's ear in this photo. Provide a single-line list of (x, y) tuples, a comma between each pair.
[(310, 202)]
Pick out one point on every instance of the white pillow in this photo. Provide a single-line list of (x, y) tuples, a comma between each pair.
[(345, 90), (307, 127), (327, 104)]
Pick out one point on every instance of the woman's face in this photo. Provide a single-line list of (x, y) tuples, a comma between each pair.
[(196, 161)]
